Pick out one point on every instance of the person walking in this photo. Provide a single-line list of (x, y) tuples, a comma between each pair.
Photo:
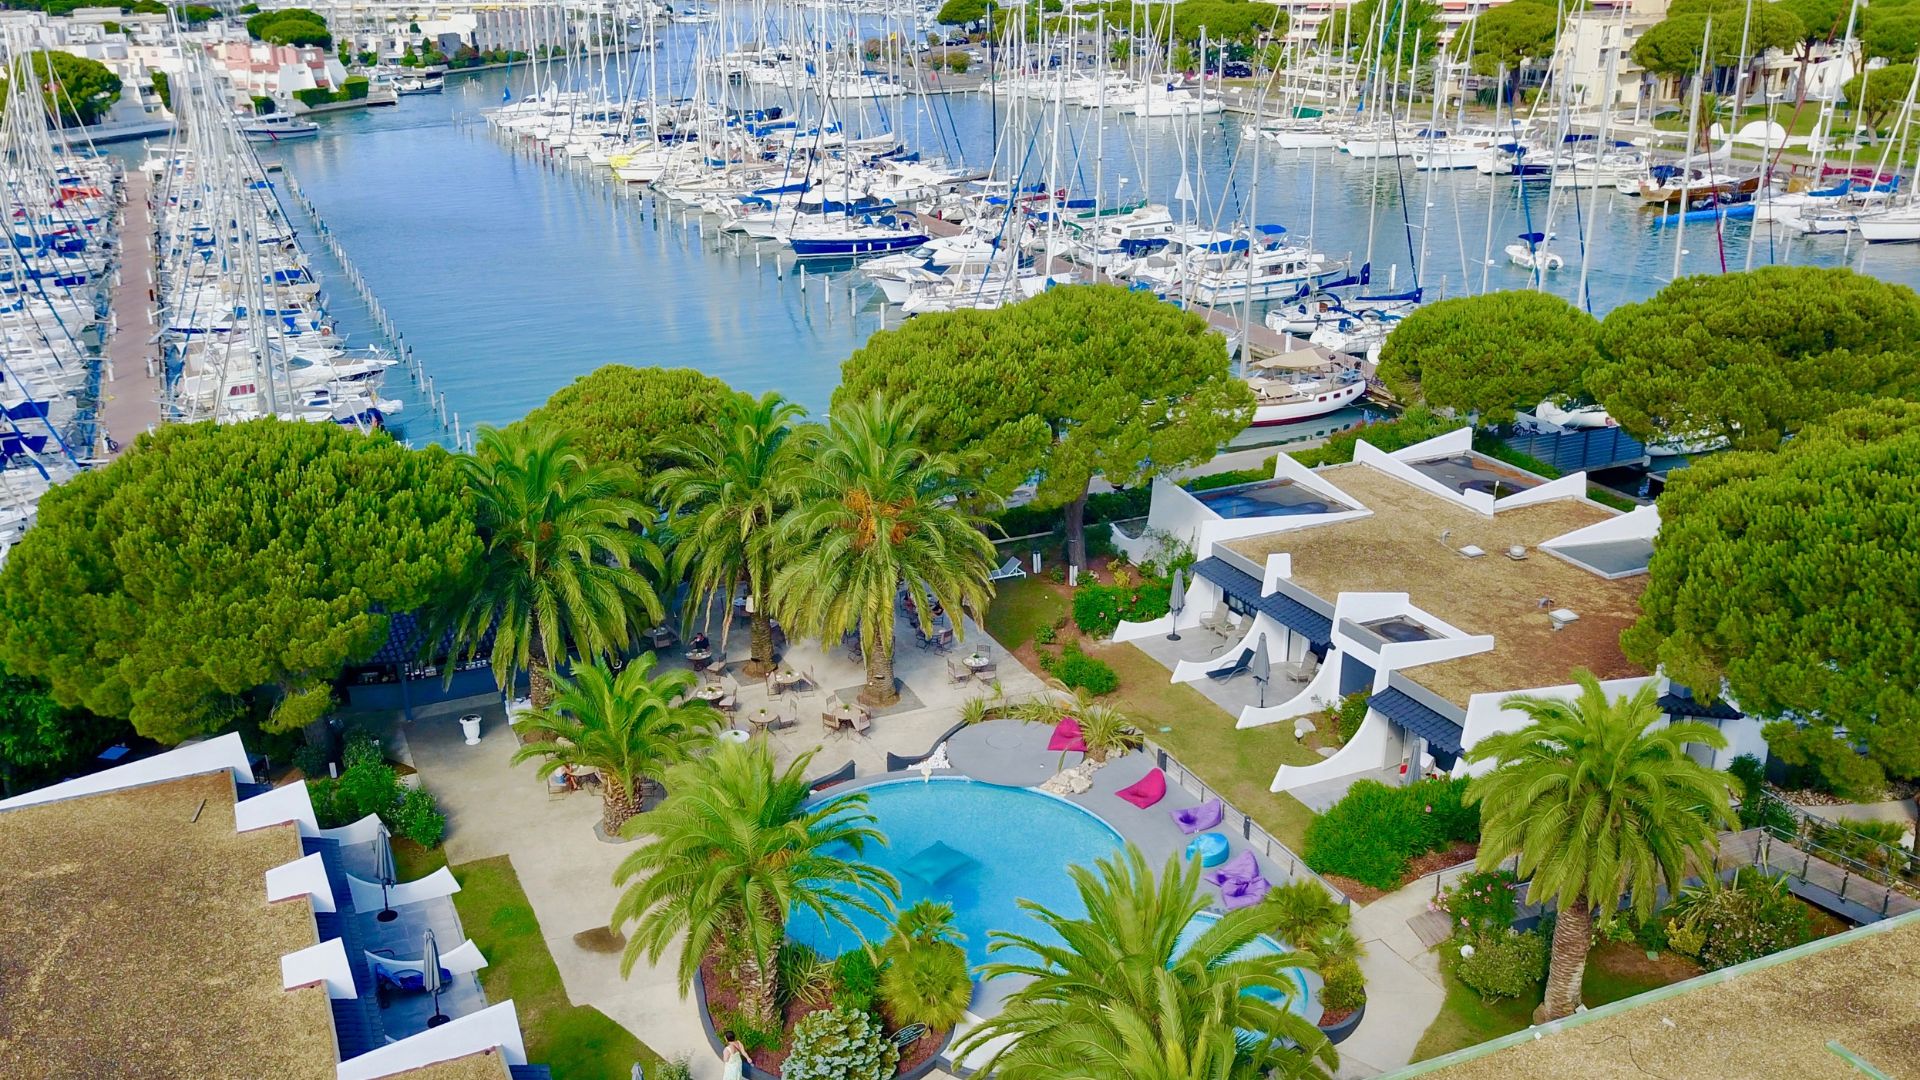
[(733, 1059)]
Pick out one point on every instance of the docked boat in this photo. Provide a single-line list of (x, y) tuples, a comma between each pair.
[(429, 81), (278, 127), (1530, 253), (1294, 386), (1899, 225)]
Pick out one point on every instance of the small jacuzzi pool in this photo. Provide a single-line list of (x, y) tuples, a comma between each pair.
[(1266, 498), (1306, 997), (980, 847)]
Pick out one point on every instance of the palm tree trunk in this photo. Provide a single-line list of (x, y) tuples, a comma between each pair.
[(879, 652), (760, 647), (619, 802), (1572, 936), (539, 675), (758, 999)]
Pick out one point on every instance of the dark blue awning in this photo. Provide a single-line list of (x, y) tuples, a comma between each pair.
[(1442, 734), (1681, 702), (1283, 609)]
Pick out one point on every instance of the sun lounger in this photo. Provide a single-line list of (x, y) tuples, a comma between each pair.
[(1009, 569), (1229, 671), (1147, 790), (1200, 818)]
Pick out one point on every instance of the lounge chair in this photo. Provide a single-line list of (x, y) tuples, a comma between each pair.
[(1239, 894), (1147, 790), (1066, 736), (1200, 818), (1242, 867), (1239, 665), (1009, 569)]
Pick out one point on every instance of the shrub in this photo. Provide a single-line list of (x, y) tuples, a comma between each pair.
[(927, 983), (1045, 634), (1231, 478), (361, 748), (840, 1044), (313, 95), (958, 62), (1099, 609), (1349, 715), (1372, 833), (1416, 425), (355, 87), (1751, 917), (311, 760), (1481, 903), (676, 1068), (1106, 730), (751, 1035), (1874, 843), (418, 819), (856, 979), (368, 785), (1079, 671), (1651, 935), (1302, 910), (1122, 577), (1503, 965), (1345, 988), (802, 976)]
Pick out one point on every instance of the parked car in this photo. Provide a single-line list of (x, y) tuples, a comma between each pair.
[(1237, 69)]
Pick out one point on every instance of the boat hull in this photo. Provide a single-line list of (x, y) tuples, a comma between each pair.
[(1293, 412)]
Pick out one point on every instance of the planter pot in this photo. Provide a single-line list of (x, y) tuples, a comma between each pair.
[(1338, 1033), (470, 727)]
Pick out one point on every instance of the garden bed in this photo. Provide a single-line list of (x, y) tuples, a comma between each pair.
[(718, 998), (1456, 854)]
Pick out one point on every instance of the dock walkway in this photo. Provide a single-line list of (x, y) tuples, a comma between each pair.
[(133, 364)]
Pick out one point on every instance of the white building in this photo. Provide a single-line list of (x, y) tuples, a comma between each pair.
[(1434, 580)]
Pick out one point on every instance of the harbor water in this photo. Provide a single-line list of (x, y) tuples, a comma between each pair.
[(510, 273)]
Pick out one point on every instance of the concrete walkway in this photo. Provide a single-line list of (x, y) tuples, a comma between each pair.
[(1404, 987)]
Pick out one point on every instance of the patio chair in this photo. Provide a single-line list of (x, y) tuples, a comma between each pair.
[(774, 689), (830, 723), (958, 672), (1303, 670), (943, 639), (862, 723), (726, 704), (987, 672), (718, 666), (853, 652)]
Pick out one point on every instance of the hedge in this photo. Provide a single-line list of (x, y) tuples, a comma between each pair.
[(1373, 832), (1078, 671), (355, 88)]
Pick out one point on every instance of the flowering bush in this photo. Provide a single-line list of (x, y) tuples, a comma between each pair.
[(839, 1044), (1098, 609), (1481, 903), (1752, 917)]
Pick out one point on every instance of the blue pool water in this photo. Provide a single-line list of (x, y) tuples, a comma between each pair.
[(1269, 499), (1020, 844), (1305, 1001)]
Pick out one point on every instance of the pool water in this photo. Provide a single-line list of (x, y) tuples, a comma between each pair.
[(1017, 844), (1306, 1000), (1268, 498)]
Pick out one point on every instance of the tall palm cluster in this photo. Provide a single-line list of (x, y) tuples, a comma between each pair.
[(821, 526)]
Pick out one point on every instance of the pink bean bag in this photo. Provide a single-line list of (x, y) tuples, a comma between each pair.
[(1146, 791), (1066, 736)]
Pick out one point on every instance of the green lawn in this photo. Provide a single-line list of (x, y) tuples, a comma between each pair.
[(1019, 607), (579, 1042), (1614, 972)]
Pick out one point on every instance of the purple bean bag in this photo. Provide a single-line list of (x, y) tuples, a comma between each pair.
[(1239, 894), (1147, 790), (1199, 818), (1066, 736), (1242, 867)]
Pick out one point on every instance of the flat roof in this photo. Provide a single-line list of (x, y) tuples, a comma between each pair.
[(485, 1065), (136, 941), (1772, 1017), (1397, 548)]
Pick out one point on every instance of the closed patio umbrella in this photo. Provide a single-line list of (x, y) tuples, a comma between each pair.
[(1176, 602), (1262, 668), (431, 975)]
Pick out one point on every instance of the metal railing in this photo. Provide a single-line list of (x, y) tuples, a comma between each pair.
[(1883, 864), (1258, 838)]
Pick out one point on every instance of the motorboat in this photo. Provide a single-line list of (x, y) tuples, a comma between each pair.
[(278, 127)]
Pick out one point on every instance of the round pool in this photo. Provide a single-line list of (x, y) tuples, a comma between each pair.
[(980, 847)]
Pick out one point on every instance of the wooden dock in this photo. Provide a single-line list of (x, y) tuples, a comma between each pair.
[(132, 383)]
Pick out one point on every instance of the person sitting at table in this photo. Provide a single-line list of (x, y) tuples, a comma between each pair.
[(700, 643)]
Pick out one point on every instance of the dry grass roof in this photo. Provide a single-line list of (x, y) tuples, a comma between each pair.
[(485, 1065), (1858, 988), (136, 941), (1398, 549)]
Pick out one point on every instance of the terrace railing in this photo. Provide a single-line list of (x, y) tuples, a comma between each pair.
[(1263, 842)]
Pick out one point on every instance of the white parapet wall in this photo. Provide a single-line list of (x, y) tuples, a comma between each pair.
[(1372, 747), (301, 877), (495, 1028), (224, 752), (288, 802), (1321, 692)]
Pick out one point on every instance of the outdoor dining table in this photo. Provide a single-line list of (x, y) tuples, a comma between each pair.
[(735, 735), (785, 679), (661, 637), (711, 692), (976, 661), (699, 655)]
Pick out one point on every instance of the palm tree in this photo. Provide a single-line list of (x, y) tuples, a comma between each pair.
[(876, 511), (734, 849), (1598, 801), (730, 484), (629, 727), (925, 978), (1121, 1000), (561, 571)]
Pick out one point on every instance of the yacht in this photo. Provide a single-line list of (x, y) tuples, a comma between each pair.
[(278, 127)]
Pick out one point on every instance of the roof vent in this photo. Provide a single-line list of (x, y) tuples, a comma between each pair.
[(1472, 551), (1560, 617), (1516, 552)]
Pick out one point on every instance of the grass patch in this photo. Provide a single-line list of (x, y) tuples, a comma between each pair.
[(1021, 606), (1622, 970), (1236, 762), (1609, 497), (1465, 1020), (579, 1042), (411, 861)]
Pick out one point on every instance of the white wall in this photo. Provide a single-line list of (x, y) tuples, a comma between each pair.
[(288, 802), (1488, 714), (496, 1027), (224, 752)]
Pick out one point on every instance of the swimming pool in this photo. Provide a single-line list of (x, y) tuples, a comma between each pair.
[(1265, 498), (999, 845), (1306, 998)]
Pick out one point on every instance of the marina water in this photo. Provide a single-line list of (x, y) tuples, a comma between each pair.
[(511, 274)]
